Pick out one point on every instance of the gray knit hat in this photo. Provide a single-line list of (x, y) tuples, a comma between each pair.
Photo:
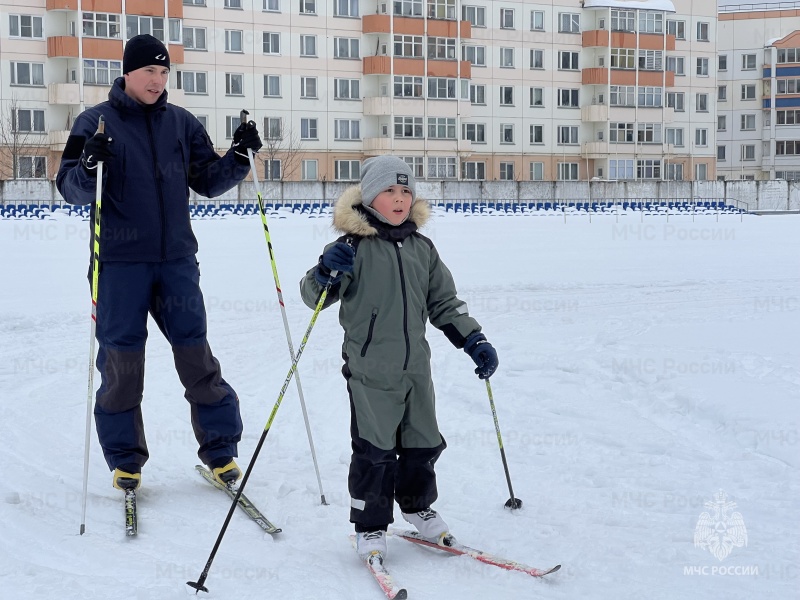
[(380, 172)]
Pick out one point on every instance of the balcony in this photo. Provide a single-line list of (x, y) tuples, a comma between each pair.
[(62, 5), (624, 39), (62, 46), (57, 139), (594, 150), (594, 113), (377, 145), (63, 93), (377, 106)]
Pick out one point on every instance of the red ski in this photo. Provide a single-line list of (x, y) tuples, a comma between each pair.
[(375, 566)]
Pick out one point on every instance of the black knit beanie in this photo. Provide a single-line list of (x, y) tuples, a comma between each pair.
[(142, 51)]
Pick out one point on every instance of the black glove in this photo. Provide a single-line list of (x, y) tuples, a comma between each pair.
[(339, 257), (482, 353), (97, 148), (245, 138)]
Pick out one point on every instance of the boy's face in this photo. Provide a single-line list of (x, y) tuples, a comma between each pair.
[(145, 85), (393, 203)]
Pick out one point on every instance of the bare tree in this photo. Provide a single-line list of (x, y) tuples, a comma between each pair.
[(18, 139), (283, 145)]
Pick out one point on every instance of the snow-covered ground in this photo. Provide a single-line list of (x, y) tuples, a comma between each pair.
[(646, 365)]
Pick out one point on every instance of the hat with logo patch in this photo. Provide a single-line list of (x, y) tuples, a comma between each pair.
[(142, 51), (381, 172)]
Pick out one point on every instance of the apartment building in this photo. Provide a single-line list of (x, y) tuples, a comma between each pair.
[(758, 92), (462, 89)]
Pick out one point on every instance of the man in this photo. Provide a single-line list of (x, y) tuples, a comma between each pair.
[(152, 153)]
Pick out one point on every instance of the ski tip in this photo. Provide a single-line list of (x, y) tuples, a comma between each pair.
[(553, 570), (402, 594), (198, 587)]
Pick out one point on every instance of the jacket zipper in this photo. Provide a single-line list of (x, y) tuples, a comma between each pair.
[(405, 303), (369, 332), (158, 187)]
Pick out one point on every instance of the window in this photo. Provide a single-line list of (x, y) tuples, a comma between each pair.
[(442, 128), (31, 167), (272, 43), (347, 129), (308, 45), (674, 136), (701, 137), (721, 152), (272, 86), (749, 91), (722, 93), (537, 20), (722, 62), (621, 133), (650, 96), (537, 171), (702, 102), (308, 7), (748, 62), (651, 60), (676, 64), (136, 25), (415, 164), (676, 101), (648, 133), (345, 8), (346, 48), (620, 169), (506, 95), (788, 55), (622, 95), (474, 132), (442, 9), (537, 134), (567, 171), (441, 88), (702, 32), (787, 117), (569, 23), (194, 2), (506, 18), (701, 171), (408, 46), (507, 58), (722, 123), (347, 170), (506, 133), (537, 59), (623, 20), (623, 58), (406, 86), (506, 171), (787, 148), (193, 82), (537, 96), (26, 26), (677, 28), (785, 86), (473, 170), (231, 125), (273, 128), (233, 40), (232, 4), (194, 38), (203, 120), (476, 55), (100, 25), (309, 169), (567, 135), (568, 98), (272, 5), (702, 67), (346, 89), (674, 171), (442, 48), (648, 168), (651, 22), (308, 129), (101, 72), (408, 127), (477, 94), (234, 84), (568, 61), (476, 15), (748, 123), (748, 152), (25, 73), (442, 167), (308, 87), (27, 121)]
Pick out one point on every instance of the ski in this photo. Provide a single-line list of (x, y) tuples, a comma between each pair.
[(479, 555), (131, 518), (381, 574), (244, 503)]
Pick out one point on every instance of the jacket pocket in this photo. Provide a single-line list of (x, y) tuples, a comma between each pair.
[(369, 332)]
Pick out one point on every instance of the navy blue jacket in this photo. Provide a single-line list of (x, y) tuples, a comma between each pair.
[(160, 151)]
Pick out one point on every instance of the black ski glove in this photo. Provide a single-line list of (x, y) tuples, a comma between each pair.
[(339, 257), (482, 353), (245, 138), (97, 148)]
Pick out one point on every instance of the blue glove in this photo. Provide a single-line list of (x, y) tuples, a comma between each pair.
[(339, 257), (482, 353)]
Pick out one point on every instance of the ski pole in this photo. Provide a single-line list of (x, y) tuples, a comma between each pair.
[(98, 198), (243, 117), (512, 502), (198, 585)]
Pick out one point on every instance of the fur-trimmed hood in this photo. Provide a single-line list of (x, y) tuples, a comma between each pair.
[(349, 219)]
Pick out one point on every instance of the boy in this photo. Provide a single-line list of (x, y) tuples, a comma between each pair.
[(390, 281)]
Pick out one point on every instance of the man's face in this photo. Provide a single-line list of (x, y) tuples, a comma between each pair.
[(146, 85)]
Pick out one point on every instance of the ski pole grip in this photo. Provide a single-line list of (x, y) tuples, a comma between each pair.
[(101, 125), (243, 115)]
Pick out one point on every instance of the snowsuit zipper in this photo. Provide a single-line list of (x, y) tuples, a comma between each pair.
[(405, 303), (157, 175), (369, 332)]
